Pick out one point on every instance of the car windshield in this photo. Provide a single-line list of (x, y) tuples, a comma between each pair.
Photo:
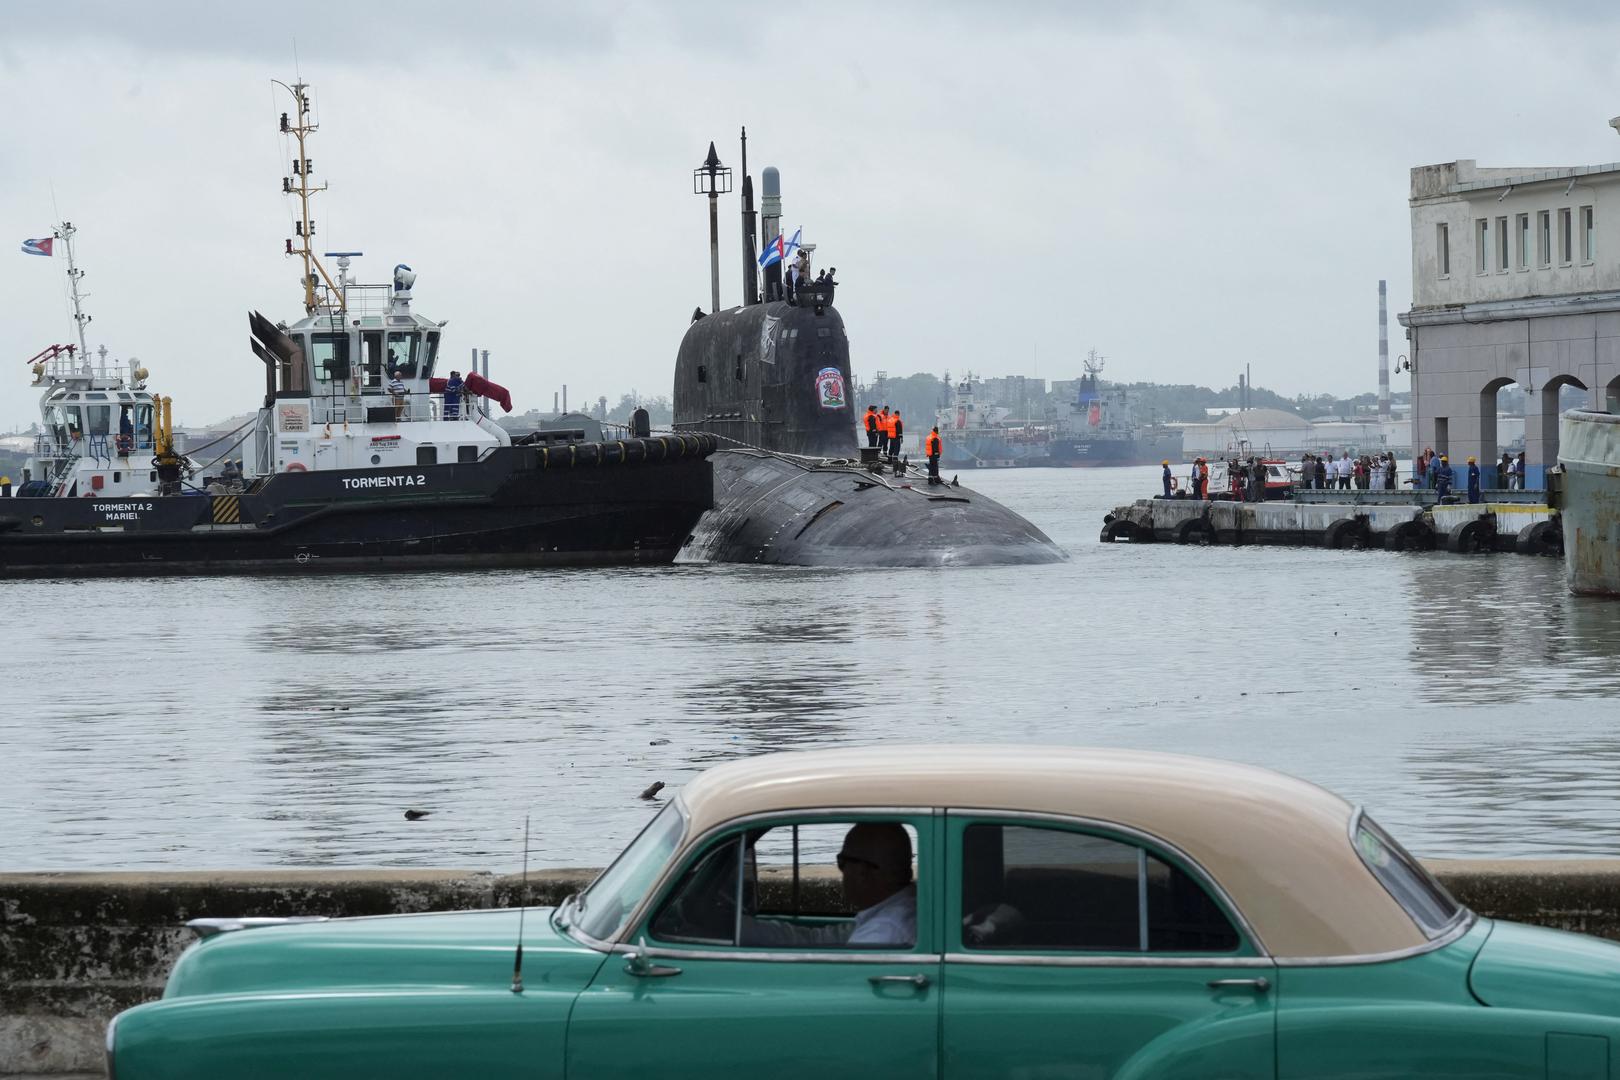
[(1413, 887), (610, 899)]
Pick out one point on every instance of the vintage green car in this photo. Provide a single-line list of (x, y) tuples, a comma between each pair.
[(924, 912)]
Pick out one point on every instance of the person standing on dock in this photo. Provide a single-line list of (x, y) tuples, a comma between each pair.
[(1442, 476), (1166, 478), (1518, 471), (1203, 479), (1504, 470), (1389, 471), (1346, 469), (1473, 480)]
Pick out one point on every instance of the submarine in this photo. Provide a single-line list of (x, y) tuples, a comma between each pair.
[(771, 381)]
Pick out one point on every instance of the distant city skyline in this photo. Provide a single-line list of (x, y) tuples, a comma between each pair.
[(1188, 188)]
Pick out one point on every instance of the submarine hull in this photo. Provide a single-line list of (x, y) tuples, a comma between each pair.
[(583, 504), (775, 510)]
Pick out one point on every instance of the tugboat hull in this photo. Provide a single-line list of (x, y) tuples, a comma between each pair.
[(586, 504)]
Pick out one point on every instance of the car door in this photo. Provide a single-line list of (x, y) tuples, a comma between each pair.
[(741, 965), (1073, 949)]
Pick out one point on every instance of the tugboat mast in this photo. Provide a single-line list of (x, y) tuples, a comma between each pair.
[(64, 232), (300, 126)]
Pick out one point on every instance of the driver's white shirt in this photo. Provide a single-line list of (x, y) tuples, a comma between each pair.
[(892, 921)]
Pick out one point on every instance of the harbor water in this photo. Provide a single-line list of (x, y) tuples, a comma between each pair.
[(256, 722)]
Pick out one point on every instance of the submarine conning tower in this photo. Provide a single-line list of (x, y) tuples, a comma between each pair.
[(773, 376)]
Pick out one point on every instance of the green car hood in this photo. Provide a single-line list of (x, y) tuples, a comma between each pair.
[(448, 949), (1529, 967)]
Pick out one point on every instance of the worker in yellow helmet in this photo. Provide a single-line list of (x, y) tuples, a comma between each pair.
[(1473, 480)]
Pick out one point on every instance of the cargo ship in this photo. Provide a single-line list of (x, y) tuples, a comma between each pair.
[(977, 435), (1100, 428)]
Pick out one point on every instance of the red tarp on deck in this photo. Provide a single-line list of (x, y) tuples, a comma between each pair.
[(474, 383)]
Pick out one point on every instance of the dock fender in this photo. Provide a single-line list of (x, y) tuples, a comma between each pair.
[(1473, 536), (1350, 532), (1196, 531), (1116, 529), (1541, 538), (1409, 536)]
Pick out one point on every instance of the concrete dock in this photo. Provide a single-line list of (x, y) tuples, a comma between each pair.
[(1393, 520), (76, 948)]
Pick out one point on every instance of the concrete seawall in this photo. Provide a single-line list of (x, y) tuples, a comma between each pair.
[(77, 948)]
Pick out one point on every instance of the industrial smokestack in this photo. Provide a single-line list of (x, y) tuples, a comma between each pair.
[(1383, 353)]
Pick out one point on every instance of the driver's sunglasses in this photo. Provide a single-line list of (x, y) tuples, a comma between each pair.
[(845, 860)]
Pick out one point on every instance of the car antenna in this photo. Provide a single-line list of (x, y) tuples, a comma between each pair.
[(523, 904)]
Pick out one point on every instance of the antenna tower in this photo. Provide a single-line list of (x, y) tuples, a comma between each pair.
[(65, 232), (299, 125)]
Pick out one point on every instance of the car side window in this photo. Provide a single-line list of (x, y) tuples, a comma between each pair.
[(835, 885), (1040, 889)]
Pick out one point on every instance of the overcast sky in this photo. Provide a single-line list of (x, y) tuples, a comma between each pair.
[(1186, 187)]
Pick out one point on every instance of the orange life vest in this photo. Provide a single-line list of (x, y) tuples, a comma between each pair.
[(896, 427), (931, 444), (871, 420), (884, 423)]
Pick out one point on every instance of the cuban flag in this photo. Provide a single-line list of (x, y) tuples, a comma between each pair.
[(780, 249), (38, 247)]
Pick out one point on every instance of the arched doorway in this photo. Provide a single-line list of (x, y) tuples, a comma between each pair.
[(1541, 446), (1493, 401)]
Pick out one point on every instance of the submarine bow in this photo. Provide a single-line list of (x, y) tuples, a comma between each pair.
[(772, 382)]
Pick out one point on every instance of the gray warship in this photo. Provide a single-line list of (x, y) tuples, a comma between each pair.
[(770, 380)]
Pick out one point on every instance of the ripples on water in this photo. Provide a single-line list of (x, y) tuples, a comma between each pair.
[(255, 722)]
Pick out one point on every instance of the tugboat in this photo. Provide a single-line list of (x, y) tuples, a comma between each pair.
[(361, 458)]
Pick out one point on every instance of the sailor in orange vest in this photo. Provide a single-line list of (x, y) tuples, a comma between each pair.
[(897, 433), (932, 447), (883, 422), (871, 425)]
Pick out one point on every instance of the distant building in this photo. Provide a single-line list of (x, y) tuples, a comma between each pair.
[(1515, 279), (1275, 433), (1015, 392)]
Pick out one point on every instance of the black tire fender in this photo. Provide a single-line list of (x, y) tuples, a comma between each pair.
[(1471, 538), (1541, 538), (1409, 536), (1345, 533), (1196, 531)]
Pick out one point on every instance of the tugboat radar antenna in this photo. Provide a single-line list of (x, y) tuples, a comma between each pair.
[(64, 232), (300, 126)]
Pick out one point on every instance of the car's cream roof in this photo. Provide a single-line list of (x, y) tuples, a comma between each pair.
[(1279, 846)]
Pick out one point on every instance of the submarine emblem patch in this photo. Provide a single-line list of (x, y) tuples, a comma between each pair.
[(830, 388)]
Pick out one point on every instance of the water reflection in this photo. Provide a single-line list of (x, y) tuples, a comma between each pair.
[(288, 722)]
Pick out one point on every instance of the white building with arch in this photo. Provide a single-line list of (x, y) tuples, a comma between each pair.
[(1515, 279)]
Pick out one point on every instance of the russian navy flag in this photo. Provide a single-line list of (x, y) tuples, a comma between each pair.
[(38, 247), (780, 249)]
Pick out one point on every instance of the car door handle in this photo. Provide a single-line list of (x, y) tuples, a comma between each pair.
[(919, 980), (1259, 986)]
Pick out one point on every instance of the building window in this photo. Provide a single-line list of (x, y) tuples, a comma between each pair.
[(1544, 238), (1588, 238), (1566, 229), (1524, 241), (1482, 245), (1501, 245), (1442, 248)]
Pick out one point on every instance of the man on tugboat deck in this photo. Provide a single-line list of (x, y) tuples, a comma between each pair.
[(396, 388), (452, 396)]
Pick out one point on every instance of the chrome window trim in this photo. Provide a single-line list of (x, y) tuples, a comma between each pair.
[(834, 955), (1460, 927), (1463, 915), (693, 843), (1203, 877), (1109, 960)]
